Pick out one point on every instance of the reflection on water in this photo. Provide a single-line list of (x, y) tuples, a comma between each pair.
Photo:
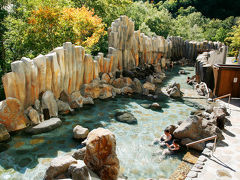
[(27, 157)]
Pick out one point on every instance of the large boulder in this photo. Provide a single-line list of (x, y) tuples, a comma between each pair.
[(34, 116), (175, 93), (105, 78), (127, 90), (64, 96), (88, 100), (79, 154), (79, 171), (12, 114), (45, 126), (149, 86), (76, 100), (4, 135), (210, 129), (190, 128), (118, 83), (58, 166), (63, 107), (49, 102), (101, 155), (126, 117), (171, 128), (137, 86), (106, 91), (80, 132), (92, 90), (127, 81), (174, 90)]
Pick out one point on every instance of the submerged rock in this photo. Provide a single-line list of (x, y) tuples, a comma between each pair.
[(101, 155), (80, 132), (174, 90), (126, 117), (156, 106), (4, 135), (146, 106), (45, 126), (182, 72), (58, 166)]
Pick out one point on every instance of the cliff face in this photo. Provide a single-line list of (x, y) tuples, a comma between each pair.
[(67, 68)]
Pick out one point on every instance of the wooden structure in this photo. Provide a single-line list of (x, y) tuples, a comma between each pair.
[(226, 80)]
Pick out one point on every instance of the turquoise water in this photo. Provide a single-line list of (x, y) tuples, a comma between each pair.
[(27, 157)]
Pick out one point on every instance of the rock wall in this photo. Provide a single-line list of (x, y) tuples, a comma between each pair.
[(67, 68), (205, 62)]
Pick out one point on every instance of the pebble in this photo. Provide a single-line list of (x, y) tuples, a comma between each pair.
[(192, 174), (200, 163), (196, 169), (198, 166)]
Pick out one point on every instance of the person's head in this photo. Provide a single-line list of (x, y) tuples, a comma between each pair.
[(174, 141), (166, 132)]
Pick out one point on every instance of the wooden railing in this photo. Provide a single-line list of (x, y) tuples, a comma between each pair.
[(205, 139), (224, 96)]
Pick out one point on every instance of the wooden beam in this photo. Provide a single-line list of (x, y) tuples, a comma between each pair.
[(221, 97), (202, 140)]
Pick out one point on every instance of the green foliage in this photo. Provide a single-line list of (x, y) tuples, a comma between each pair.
[(150, 20), (220, 9), (108, 10), (233, 40), (190, 26), (217, 30), (49, 27)]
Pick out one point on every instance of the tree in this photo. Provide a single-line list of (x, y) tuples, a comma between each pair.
[(233, 40), (189, 27), (108, 10), (49, 27), (150, 20)]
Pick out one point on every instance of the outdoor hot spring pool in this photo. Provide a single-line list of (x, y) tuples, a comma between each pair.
[(27, 157)]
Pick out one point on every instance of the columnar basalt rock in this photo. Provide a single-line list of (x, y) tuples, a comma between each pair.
[(66, 69), (18, 68)]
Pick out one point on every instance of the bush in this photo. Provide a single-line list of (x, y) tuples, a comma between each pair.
[(49, 27)]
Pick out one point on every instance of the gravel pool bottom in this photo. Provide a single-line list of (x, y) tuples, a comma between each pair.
[(27, 157)]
